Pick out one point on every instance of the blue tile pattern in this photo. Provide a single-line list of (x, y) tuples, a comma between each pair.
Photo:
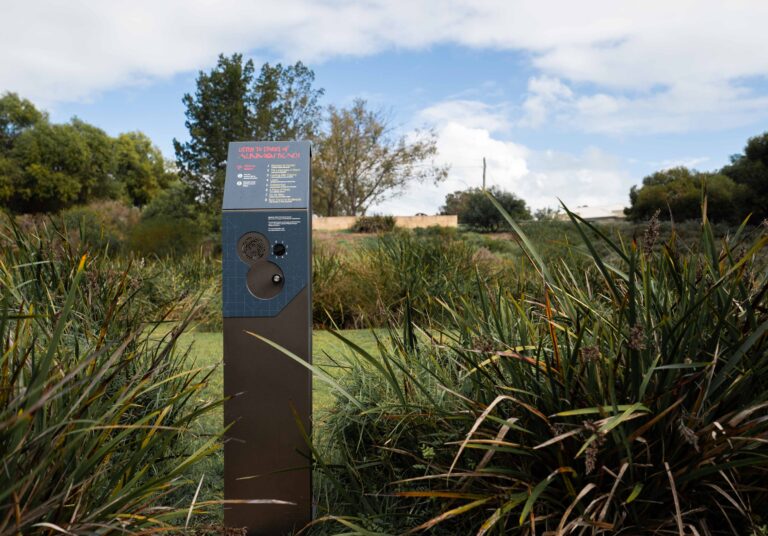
[(294, 232)]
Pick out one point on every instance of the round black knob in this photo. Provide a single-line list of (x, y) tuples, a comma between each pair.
[(277, 279), (278, 249)]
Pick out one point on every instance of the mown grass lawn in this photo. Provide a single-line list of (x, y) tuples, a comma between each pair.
[(206, 350)]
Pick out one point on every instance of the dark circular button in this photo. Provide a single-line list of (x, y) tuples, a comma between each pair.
[(265, 280), (278, 249)]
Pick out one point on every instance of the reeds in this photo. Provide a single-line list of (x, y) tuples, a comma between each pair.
[(95, 399), (629, 396)]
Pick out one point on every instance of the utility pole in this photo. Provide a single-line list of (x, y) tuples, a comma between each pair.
[(483, 173)]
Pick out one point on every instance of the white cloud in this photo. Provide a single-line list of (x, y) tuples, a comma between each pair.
[(470, 113), (546, 95), (680, 108), (681, 61), (592, 177)]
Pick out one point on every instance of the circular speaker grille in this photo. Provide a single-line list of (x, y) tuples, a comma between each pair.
[(252, 246)]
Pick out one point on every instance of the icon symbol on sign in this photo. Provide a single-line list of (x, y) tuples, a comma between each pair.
[(239, 175), (239, 183)]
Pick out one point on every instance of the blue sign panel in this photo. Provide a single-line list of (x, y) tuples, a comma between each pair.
[(267, 175), (277, 239)]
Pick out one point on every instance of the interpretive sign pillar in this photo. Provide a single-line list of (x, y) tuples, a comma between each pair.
[(266, 248)]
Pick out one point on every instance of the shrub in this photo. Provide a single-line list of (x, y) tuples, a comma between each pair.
[(676, 193), (448, 233), (374, 224), (475, 209), (628, 398), (371, 283), (95, 400), (99, 225), (170, 225)]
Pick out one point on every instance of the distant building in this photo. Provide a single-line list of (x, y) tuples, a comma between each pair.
[(598, 213)]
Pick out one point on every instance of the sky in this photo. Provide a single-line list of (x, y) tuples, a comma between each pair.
[(575, 101)]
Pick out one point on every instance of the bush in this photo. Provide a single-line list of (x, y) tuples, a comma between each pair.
[(629, 397), (371, 283), (95, 400), (447, 233), (100, 225), (677, 193), (170, 225), (475, 209), (374, 224)]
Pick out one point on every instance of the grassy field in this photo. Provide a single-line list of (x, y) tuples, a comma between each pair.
[(328, 352), (206, 350)]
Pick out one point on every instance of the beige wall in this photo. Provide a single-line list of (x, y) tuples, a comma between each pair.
[(342, 223), (412, 222)]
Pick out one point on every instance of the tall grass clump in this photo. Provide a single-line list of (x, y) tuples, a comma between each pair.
[(95, 401), (629, 397), (369, 283)]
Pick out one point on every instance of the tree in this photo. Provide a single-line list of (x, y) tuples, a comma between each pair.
[(16, 115), (359, 162), (547, 214), (140, 167), (751, 170), (49, 169), (229, 105), (97, 177), (285, 104), (475, 209), (678, 192)]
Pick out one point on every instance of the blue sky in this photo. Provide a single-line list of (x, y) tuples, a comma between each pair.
[(570, 100)]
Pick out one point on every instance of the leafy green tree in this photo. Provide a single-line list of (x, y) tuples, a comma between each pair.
[(230, 105), (140, 167), (50, 169), (677, 193), (547, 214), (16, 115), (285, 103), (97, 177), (476, 210), (47, 167), (751, 170), (359, 162)]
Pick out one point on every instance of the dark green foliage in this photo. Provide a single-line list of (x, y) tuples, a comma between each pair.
[(95, 400), (230, 105), (374, 224), (99, 175), (677, 193), (47, 167), (141, 167), (285, 103), (629, 396), (170, 224), (16, 115), (476, 211), (51, 169), (751, 170)]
